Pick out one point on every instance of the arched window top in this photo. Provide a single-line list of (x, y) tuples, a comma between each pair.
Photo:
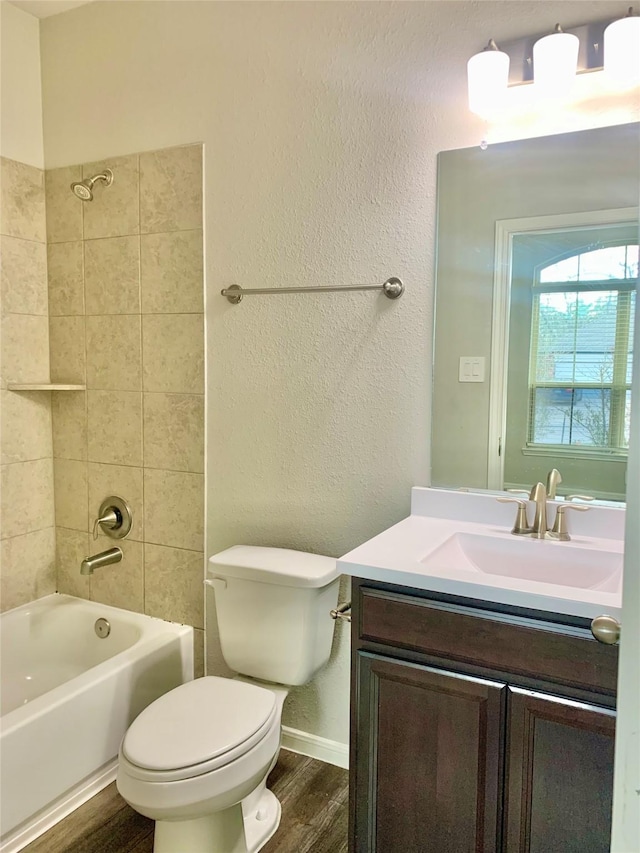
[(611, 263)]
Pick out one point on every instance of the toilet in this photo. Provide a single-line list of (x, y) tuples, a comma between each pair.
[(197, 759)]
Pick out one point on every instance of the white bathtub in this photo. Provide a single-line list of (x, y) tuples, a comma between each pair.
[(68, 697)]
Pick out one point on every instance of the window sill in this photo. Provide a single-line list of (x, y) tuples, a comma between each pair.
[(575, 453)]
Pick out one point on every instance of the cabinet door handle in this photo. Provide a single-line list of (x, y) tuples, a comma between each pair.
[(606, 630)]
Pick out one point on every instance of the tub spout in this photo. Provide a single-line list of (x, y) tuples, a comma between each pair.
[(104, 558)]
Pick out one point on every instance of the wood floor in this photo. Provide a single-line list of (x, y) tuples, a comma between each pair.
[(314, 816)]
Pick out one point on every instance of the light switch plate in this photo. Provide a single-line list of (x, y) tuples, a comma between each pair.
[(471, 368)]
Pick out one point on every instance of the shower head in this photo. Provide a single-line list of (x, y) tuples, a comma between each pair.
[(84, 189)]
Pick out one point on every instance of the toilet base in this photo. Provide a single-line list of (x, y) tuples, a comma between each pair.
[(243, 828), (261, 823)]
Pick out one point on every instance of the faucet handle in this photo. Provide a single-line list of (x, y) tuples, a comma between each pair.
[(109, 520), (521, 524), (114, 517), (579, 498), (559, 530)]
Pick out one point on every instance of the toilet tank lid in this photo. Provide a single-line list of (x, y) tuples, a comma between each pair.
[(281, 566)]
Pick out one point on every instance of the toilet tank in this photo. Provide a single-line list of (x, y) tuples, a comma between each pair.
[(273, 607)]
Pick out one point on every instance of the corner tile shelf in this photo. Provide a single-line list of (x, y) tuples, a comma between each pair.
[(44, 386)]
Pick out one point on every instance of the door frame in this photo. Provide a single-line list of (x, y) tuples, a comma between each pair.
[(625, 834)]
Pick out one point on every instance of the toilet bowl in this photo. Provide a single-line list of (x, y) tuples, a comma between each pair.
[(197, 759), (194, 755)]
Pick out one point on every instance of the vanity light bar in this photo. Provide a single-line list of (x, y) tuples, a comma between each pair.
[(612, 45), (590, 51)]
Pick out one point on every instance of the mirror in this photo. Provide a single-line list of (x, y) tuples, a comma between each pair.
[(536, 273)]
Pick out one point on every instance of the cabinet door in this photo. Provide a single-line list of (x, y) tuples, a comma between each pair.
[(559, 775), (428, 759)]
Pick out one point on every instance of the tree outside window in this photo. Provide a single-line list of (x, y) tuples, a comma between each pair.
[(581, 350)]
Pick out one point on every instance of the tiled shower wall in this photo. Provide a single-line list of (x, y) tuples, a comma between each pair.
[(126, 319), (27, 516)]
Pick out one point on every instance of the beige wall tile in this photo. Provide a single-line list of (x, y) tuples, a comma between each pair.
[(174, 509), (22, 200), (67, 349), (69, 417), (173, 584), (173, 353), (114, 353), (28, 568), (72, 546), (114, 210), (174, 432), (71, 494), (171, 270), (66, 284), (122, 481), (27, 497), (112, 275), (198, 653), (25, 349), (23, 276), (120, 585), (64, 210), (114, 427), (171, 189), (25, 426)]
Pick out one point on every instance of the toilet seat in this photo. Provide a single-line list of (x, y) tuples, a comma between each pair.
[(198, 727)]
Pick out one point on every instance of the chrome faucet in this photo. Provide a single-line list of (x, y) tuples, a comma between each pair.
[(115, 519), (539, 496), (554, 477), (104, 558), (539, 529)]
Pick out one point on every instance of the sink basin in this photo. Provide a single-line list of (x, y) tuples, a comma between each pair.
[(536, 560), (459, 544)]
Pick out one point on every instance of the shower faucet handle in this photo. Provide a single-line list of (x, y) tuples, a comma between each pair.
[(114, 518), (109, 520)]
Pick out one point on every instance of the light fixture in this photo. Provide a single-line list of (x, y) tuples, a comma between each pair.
[(539, 82), (555, 61), (487, 77), (622, 50)]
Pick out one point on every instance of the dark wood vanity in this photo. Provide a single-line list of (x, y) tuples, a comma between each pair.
[(477, 727)]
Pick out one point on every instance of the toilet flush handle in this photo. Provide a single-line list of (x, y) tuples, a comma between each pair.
[(216, 583), (342, 611)]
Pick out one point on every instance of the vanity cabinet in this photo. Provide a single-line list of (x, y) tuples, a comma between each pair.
[(477, 729)]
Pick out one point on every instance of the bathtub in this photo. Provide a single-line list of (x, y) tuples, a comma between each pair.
[(67, 699)]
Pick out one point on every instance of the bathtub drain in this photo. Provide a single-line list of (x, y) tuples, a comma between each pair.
[(102, 628)]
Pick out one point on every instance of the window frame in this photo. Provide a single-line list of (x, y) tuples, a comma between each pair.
[(507, 232), (619, 386)]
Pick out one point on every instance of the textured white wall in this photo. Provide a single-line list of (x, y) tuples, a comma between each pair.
[(20, 88), (321, 124)]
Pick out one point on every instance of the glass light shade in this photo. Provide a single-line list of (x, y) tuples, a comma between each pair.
[(622, 51), (555, 60), (487, 77)]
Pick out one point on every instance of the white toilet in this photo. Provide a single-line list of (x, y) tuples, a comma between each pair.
[(196, 760)]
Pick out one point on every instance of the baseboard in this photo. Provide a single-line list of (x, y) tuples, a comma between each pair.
[(330, 751)]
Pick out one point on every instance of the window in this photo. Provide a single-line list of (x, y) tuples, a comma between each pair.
[(581, 350)]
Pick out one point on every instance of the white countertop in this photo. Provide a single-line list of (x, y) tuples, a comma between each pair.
[(398, 555)]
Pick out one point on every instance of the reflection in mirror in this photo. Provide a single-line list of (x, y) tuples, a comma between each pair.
[(572, 295), (537, 268)]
